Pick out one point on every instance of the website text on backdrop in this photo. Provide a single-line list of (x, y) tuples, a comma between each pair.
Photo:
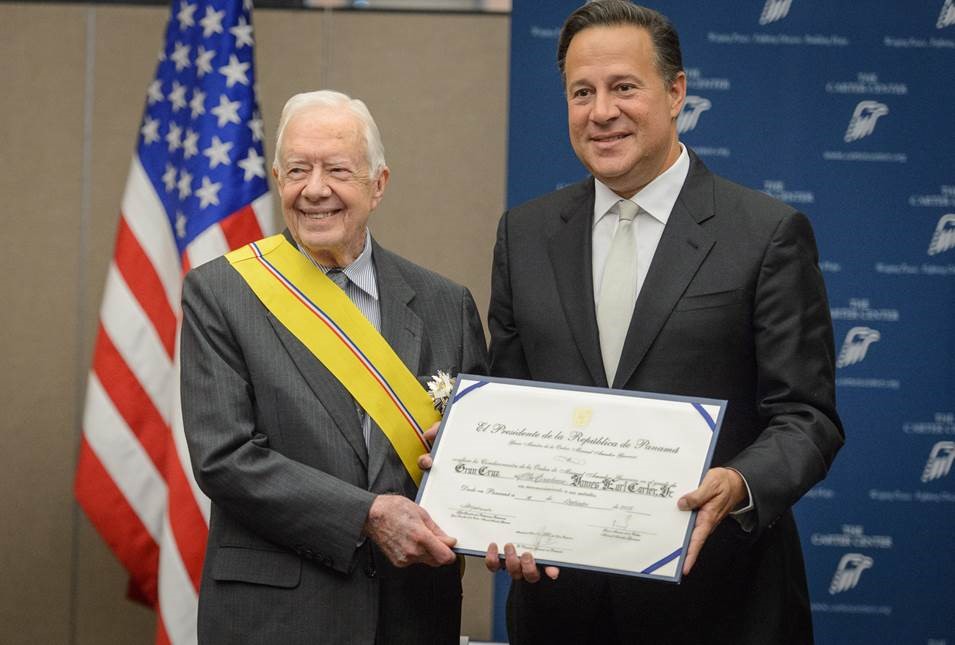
[(303, 358), (718, 294)]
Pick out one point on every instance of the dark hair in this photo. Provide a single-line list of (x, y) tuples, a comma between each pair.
[(605, 13)]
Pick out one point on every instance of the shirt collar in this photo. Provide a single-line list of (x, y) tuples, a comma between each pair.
[(656, 198), (361, 272)]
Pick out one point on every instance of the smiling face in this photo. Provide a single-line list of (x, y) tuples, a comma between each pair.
[(621, 113), (323, 178)]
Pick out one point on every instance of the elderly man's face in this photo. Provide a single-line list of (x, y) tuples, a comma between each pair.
[(620, 112), (326, 190)]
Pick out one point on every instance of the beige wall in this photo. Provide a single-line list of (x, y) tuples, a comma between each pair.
[(74, 79)]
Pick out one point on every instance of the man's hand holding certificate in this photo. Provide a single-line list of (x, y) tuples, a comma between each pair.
[(579, 477)]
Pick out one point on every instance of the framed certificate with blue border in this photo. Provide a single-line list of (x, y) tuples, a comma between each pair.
[(581, 477)]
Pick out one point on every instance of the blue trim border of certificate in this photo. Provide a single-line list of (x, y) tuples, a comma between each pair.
[(696, 402)]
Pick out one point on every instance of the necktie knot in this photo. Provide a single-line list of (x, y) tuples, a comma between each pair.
[(627, 210), (338, 277)]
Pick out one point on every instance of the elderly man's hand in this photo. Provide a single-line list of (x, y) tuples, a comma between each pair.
[(721, 490), (406, 533), (520, 568), (424, 461)]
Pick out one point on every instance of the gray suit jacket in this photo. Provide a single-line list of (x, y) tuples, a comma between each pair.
[(276, 443), (733, 307)]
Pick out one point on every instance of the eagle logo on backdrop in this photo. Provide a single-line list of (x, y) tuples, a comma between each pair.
[(947, 16), (848, 572), (863, 119), (939, 462), (944, 237), (689, 116), (775, 10), (856, 344)]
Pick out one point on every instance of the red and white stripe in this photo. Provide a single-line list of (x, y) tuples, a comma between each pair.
[(133, 479)]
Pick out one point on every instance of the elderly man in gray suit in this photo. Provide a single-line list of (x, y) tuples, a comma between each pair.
[(304, 412)]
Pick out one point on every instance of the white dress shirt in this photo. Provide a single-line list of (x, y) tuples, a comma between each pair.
[(655, 200)]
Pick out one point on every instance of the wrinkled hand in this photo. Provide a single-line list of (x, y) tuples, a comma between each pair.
[(406, 533), (424, 461), (721, 491), (519, 568)]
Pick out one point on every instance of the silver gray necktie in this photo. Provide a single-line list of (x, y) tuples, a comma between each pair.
[(617, 289)]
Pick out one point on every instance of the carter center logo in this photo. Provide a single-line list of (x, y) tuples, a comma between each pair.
[(775, 10), (863, 119), (947, 16), (689, 116), (848, 572), (939, 462), (856, 344), (944, 237)]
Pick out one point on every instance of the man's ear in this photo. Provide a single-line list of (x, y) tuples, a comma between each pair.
[(378, 189), (677, 92)]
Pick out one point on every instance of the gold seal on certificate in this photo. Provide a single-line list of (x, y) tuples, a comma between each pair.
[(580, 477)]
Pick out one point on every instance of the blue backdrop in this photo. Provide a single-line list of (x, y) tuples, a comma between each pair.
[(845, 110)]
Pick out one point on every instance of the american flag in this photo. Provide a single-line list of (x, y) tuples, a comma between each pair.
[(196, 189)]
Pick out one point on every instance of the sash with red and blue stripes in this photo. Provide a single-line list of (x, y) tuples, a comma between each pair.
[(323, 318)]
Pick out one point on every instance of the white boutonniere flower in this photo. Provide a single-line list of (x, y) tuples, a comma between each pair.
[(440, 387)]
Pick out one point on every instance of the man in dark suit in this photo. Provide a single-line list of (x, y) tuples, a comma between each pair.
[(657, 275), (312, 536)]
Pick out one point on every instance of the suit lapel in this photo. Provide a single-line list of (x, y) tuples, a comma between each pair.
[(570, 253), (683, 247), (403, 330), (327, 389)]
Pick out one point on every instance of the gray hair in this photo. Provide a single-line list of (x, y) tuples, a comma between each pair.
[(374, 148), (608, 13)]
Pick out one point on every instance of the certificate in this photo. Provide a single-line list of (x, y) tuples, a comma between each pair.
[(580, 477)]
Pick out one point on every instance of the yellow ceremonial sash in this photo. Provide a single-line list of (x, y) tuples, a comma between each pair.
[(325, 320)]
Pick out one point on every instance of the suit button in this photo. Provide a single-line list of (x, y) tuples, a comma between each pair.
[(370, 571)]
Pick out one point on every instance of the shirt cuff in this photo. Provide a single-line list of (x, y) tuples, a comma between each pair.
[(745, 516)]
